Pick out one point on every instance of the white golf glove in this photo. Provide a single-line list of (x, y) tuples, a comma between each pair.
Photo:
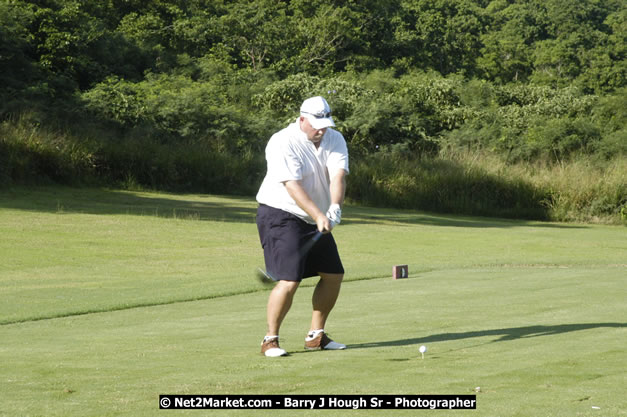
[(335, 214)]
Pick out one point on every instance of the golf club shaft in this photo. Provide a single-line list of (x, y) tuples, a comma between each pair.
[(309, 244)]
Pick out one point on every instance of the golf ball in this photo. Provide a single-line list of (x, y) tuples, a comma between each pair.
[(423, 349)]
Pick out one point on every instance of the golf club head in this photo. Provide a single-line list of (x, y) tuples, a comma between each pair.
[(264, 277)]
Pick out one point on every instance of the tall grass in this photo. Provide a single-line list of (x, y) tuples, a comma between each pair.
[(34, 154), (581, 190), (136, 159), (445, 186)]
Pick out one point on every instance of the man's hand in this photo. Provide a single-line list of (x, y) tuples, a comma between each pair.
[(334, 214), (324, 224)]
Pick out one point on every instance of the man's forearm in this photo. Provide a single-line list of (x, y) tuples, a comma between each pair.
[(302, 199), (338, 187)]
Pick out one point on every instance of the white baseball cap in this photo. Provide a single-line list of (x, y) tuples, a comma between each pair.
[(318, 112)]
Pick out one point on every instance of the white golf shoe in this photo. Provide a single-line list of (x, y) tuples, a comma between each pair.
[(270, 348), (319, 340)]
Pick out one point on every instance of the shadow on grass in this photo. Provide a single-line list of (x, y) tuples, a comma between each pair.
[(59, 200), (502, 335), (367, 215)]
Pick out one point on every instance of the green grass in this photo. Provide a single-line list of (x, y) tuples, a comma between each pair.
[(110, 298)]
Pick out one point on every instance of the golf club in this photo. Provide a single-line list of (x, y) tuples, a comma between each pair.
[(266, 278)]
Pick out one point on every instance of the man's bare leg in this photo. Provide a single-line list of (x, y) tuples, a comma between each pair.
[(279, 303), (324, 298)]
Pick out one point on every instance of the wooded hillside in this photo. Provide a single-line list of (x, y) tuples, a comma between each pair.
[(162, 92)]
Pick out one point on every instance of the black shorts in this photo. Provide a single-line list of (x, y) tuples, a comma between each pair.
[(283, 236)]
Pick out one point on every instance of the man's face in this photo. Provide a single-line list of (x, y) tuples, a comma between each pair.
[(313, 134)]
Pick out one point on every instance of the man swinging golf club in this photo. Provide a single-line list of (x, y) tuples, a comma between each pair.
[(299, 198)]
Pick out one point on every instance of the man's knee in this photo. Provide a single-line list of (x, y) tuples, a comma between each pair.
[(331, 277), (287, 286)]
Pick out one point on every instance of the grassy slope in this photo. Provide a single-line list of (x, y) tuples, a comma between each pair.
[(533, 313)]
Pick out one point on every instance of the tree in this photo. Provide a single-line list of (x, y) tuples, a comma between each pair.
[(507, 46), (577, 38), (17, 66), (443, 35)]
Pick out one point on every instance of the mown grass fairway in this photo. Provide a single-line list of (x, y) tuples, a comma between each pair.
[(108, 299)]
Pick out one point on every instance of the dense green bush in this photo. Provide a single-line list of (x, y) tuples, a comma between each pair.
[(527, 123)]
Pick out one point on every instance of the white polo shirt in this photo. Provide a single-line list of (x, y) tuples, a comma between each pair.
[(291, 156)]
